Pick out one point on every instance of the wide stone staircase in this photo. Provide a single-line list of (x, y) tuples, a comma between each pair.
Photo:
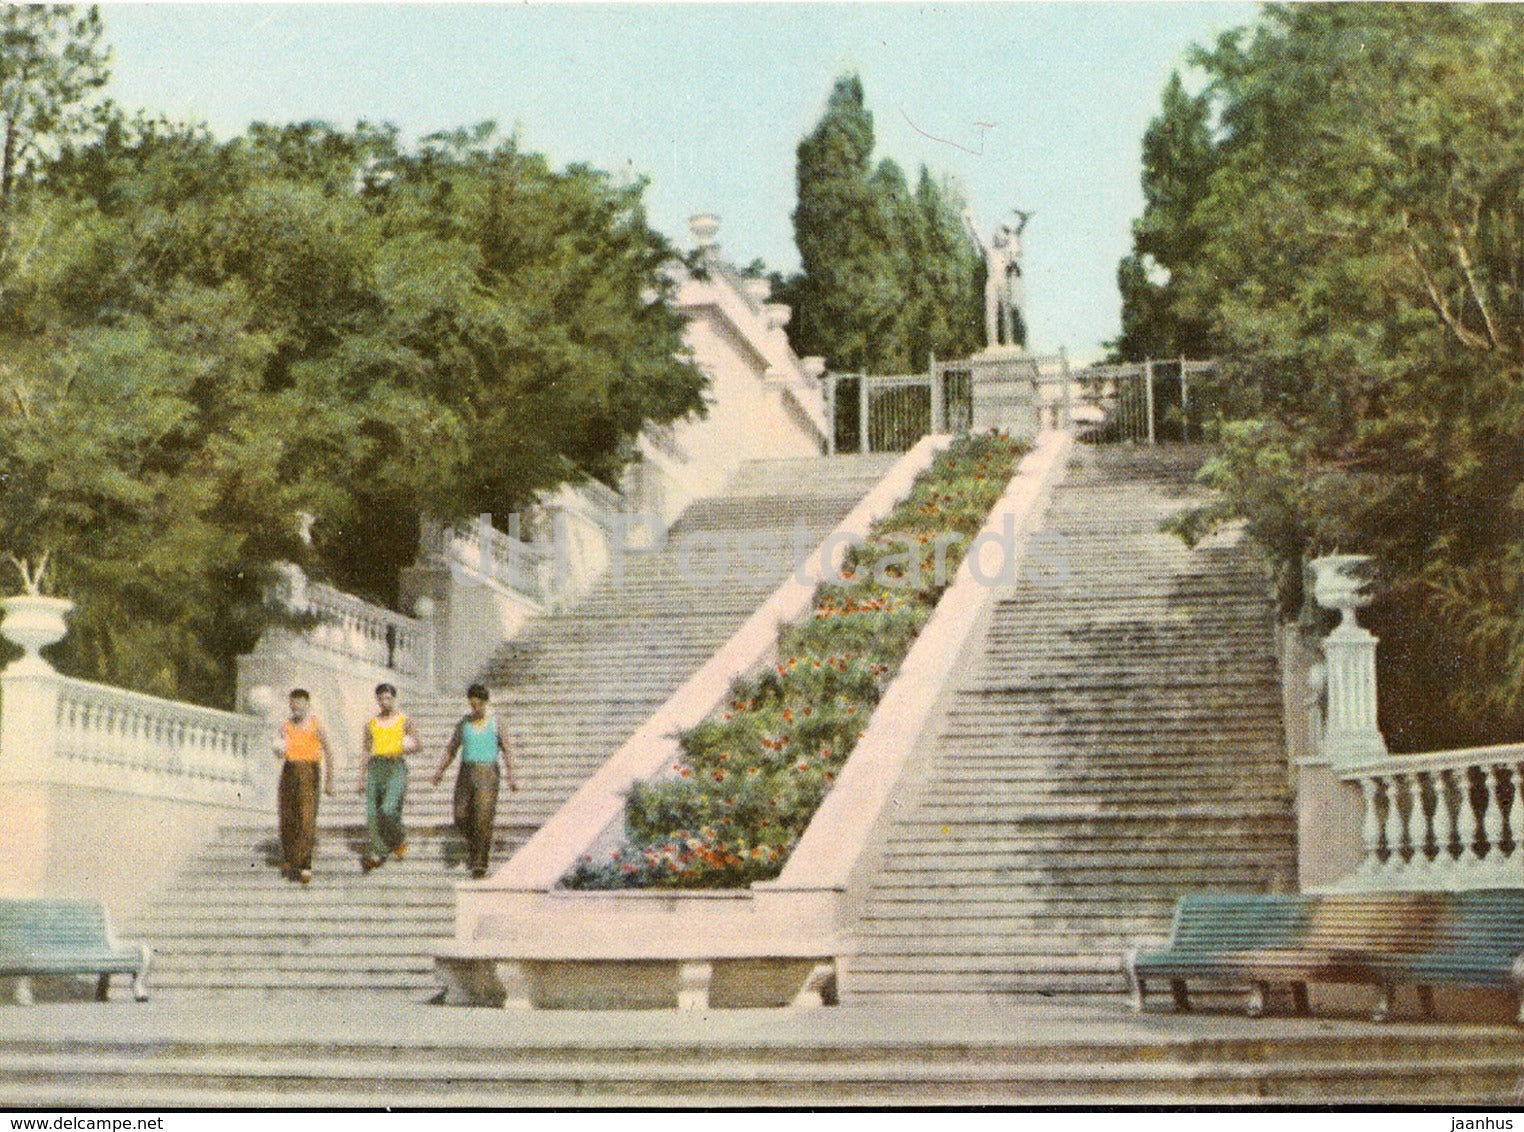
[(1113, 743), (489, 1059), (570, 690)]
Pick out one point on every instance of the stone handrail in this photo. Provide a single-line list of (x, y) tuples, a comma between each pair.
[(663, 438), (356, 629), (112, 727), (602, 503), (510, 562), (1446, 820), (63, 731)]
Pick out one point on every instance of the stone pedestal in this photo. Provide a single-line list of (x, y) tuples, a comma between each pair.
[(1350, 734)]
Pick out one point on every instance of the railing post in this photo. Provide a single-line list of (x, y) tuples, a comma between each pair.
[(1063, 369), (1185, 403), (829, 381), (29, 686), (1148, 384), (28, 724), (938, 400), (484, 543), (864, 443), (1350, 733)]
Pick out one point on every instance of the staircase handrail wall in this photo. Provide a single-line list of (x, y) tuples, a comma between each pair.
[(483, 550), (59, 730), (355, 629), (1443, 820), (602, 503)]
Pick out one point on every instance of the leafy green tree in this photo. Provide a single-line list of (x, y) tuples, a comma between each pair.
[(51, 58), (202, 341), (1178, 161), (1363, 230)]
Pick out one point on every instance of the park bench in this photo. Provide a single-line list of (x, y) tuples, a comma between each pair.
[(65, 937), (1424, 939)]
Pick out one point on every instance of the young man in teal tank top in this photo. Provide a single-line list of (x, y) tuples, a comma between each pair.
[(481, 744)]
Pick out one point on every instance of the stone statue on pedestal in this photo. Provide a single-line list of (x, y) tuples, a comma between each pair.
[(1004, 323)]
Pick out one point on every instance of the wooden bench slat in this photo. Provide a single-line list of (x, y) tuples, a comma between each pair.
[(66, 937), (1464, 938)]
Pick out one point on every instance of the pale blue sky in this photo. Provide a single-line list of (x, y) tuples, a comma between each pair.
[(709, 101)]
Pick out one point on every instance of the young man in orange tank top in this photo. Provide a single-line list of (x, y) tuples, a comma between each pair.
[(384, 746), (303, 747)]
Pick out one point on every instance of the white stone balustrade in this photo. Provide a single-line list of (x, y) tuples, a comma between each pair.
[(179, 750), (61, 731), (355, 629), (519, 566), (1444, 821)]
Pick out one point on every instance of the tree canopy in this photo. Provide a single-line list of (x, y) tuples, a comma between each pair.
[(1352, 238), (51, 58), (887, 274), (203, 341)]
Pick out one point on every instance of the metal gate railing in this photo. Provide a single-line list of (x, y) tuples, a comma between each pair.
[(1138, 402)]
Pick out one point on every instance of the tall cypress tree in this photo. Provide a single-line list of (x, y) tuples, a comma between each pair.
[(834, 225), (886, 274)]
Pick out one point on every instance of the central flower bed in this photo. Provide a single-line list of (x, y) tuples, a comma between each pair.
[(751, 776)]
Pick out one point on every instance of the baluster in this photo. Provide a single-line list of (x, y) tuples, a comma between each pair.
[(1492, 820), (1444, 821), (1394, 823), (1370, 830), (1416, 831), (1466, 824), (1516, 817)]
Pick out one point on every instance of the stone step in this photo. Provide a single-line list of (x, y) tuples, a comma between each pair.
[(378, 979), (916, 839), (937, 811), (1112, 796), (1122, 1075), (1021, 765), (427, 921), (929, 885)]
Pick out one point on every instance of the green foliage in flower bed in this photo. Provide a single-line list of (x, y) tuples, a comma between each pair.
[(751, 776)]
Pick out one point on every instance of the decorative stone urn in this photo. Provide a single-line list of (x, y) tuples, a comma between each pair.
[(1342, 582), (704, 227), (34, 622)]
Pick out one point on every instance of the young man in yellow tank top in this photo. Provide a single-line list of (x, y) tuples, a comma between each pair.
[(384, 746), (303, 747)]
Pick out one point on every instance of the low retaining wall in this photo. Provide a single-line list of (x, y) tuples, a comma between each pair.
[(521, 939)]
